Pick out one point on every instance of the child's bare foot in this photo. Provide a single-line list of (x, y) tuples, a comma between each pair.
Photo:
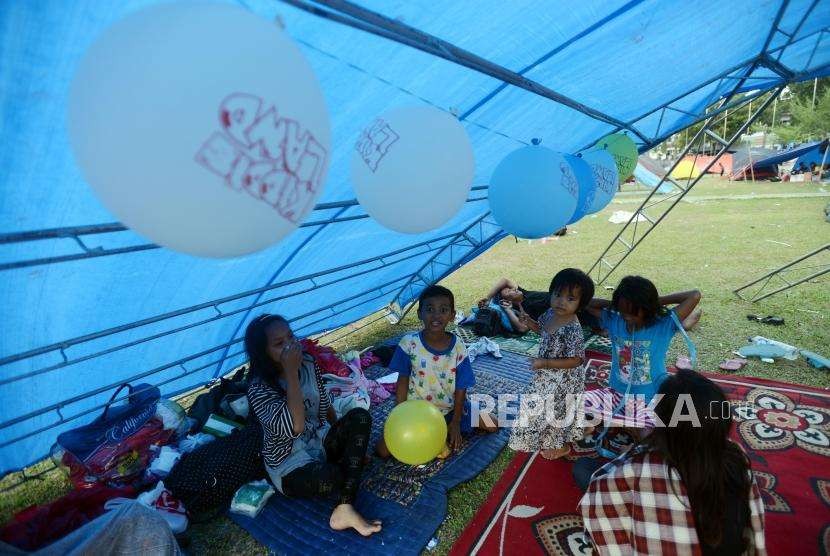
[(487, 423), (445, 452), (556, 453), (345, 516)]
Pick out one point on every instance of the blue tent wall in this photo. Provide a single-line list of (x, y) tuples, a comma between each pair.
[(771, 159), (815, 155), (646, 172), (629, 60)]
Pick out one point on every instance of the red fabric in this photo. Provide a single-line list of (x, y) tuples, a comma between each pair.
[(38, 526), (790, 462), (368, 359), (326, 358)]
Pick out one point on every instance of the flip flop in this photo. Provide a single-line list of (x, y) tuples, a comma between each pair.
[(769, 319), (732, 364), (683, 363)]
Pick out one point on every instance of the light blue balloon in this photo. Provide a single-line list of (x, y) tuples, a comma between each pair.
[(533, 192), (585, 179), (604, 168)]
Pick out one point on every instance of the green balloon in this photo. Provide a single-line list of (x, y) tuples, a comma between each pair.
[(624, 151), (415, 432)]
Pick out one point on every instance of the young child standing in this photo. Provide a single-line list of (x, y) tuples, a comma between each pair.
[(640, 329), (432, 365), (559, 377)]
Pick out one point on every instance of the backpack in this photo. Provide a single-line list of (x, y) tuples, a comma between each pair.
[(207, 478), (487, 323), (217, 399)]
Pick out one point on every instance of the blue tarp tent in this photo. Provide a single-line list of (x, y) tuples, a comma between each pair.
[(817, 155), (88, 304), (650, 173), (766, 162)]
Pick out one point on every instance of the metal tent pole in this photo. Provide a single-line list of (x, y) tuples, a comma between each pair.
[(610, 260), (382, 260), (778, 273)]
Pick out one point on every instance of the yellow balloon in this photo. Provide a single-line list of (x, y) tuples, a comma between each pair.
[(415, 432)]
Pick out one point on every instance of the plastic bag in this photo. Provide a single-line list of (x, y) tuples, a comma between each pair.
[(193, 441), (173, 417), (251, 498), (115, 465), (114, 448), (164, 461)]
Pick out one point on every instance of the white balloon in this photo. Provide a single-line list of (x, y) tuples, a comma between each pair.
[(412, 168), (200, 126), (604, 168)]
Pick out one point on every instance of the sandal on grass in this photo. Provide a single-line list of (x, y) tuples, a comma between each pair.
[(769, 319), (683, 363), (733, 364)]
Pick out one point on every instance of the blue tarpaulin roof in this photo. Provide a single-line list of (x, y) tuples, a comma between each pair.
[(80, 317), (775, 158), (815, 155)]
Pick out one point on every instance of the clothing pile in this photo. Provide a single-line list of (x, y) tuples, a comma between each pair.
[(354, 390), (149, 448), (120, 453), (326, 358), (483, 346)]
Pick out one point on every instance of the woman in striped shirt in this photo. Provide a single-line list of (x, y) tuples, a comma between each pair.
[(307, 451)]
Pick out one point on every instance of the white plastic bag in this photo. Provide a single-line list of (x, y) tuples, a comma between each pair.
[(173, 417), (193, 441), (164, 461)]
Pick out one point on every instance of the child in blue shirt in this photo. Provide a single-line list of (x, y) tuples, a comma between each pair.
[(432, 365), (640, 329)]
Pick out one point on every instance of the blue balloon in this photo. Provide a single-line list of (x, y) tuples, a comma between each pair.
[(533, 192), (604, 168), (585, 179)]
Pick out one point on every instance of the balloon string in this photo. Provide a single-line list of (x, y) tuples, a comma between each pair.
[(401, 89)]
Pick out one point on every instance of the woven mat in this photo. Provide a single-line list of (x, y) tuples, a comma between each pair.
[(411, 501)]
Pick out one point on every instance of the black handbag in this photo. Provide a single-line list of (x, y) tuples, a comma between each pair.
[(212, 400), (207, 478), (487, 323)]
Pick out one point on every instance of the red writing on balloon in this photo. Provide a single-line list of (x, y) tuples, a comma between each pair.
[(271, 158), (374, 143)]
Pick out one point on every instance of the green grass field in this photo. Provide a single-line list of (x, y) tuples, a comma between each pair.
[(716, 240)]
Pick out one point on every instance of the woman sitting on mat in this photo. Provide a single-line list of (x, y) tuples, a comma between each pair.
[(307, 451), (685, 489)]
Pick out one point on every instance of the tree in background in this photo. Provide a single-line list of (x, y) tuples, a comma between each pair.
[(808, 122), (794, 119)]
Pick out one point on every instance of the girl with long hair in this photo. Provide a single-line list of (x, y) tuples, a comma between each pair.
[(685, 489), (640, 328), (307, 451)]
